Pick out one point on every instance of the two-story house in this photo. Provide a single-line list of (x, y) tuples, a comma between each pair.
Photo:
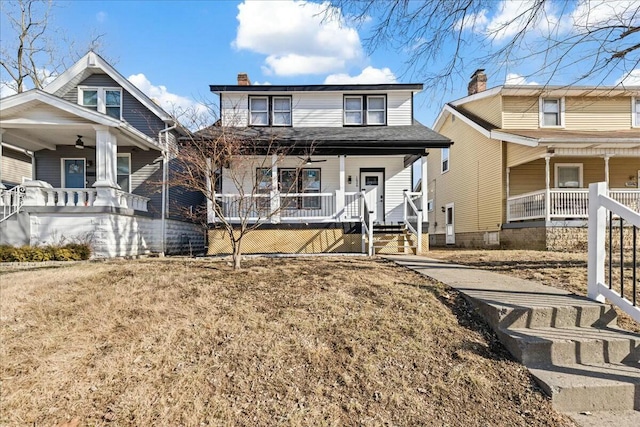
[(349, 149), (523, 159), (96, 150)]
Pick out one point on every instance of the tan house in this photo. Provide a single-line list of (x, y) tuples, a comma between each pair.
[(523, 157)]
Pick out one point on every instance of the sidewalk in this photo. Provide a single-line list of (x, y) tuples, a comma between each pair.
[(570, 344)]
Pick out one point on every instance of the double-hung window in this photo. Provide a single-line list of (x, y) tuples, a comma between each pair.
[(551, 112), (445, 159), (293, 185), (102, 99), (270, 111), (635, 107), (124, 172), (365, 110)]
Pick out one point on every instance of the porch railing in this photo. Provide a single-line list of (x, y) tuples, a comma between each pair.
[(562, 203), (598, 289), (351, 205), (367, 227), (45, 195), (413, 217), (290, 206), (11, 201)]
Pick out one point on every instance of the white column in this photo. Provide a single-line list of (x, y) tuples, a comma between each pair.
[(275, 191), (606, 169), (508, 215), (547, 195), (106, 162), (340, 198), (211, 213), (596, 241), (425, 184), (2, 187)]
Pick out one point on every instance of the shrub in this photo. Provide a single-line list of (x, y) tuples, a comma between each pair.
[(69, 252)]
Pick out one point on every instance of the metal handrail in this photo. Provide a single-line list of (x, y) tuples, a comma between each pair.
[(11, 201)]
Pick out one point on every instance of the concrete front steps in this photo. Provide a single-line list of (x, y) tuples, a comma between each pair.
[(570, 344), (393, 239)]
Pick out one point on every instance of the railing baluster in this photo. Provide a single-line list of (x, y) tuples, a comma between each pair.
[(610, 248)]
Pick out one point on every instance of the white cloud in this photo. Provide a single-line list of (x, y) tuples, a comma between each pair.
[(590, 13), (630, 79), (296, 37), (7, 89), (369, 75), (170, 102), (101, 16), (476, 20), (517, 79)]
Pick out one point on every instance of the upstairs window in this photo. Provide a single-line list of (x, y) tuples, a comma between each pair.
[(270, 111), (365, 110), (551, 112), (445, 160), (635, 106), (103, 100)]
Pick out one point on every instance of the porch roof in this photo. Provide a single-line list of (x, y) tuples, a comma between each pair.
[(365, 140)]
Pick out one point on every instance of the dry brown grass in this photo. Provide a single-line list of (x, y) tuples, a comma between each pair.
[(315, 341), (563, 270)]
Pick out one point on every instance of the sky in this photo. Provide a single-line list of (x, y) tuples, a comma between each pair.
[(173, 50)]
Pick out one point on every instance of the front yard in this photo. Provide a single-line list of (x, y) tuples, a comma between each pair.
[(307, 341)]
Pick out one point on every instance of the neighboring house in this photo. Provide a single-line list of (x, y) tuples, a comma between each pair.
[(16, 166), (97, 146), (347, 145), (523, 158)]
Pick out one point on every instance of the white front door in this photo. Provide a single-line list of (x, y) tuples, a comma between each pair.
[(372, 184), (449, 216)]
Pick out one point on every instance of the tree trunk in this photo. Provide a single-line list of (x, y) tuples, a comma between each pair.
[(237, 256)]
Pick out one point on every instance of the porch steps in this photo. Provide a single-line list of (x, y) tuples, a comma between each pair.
[(570, 344), (392, 239)]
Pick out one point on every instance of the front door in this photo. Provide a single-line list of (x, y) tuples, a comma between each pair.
[(449, 217), (372, 184), (73, 175)]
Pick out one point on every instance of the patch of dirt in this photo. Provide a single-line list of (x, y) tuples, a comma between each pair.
[(310, 341), (563, 270)]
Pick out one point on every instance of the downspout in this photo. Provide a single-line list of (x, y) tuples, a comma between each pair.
[(165, 155)]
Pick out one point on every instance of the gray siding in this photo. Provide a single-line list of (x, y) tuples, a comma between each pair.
[(133, 112)]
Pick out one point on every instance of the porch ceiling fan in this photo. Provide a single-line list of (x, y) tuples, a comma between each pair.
[(307, 160), (80, 144)]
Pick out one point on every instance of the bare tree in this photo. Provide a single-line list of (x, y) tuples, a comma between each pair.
[(244, 160), (443, 39), (38, 51)]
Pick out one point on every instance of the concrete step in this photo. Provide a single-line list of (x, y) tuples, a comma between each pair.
[(590, 387), (562, 346)]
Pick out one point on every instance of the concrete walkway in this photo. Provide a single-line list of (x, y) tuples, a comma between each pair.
[(570, 344)]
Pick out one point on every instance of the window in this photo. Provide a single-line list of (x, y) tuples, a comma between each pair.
[(365, 110), (103, 100), (292, 181), (445, 160), (568, 175), (124, 172), (551, 112), (266, 111), (430, 205), (635, 107)]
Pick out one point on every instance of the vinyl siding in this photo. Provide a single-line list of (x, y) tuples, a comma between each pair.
[(15, 166), (518, 154), (473, 182), (595, 113), (397, 177), (316, 109), (520, 112), (489, 109), (133, 111), (623, 170)]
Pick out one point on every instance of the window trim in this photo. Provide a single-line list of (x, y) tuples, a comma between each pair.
[(128, 156), (430, 205), (541, 112), (102, 97), (364, 109), (580, 167), (442, 160), (635, 111), (270, 110), (62, 170)]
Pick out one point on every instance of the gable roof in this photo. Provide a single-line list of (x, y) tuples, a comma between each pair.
[(92, 63), (317, 88)]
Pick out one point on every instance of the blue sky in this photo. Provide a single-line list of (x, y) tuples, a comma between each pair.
[(174, 49)]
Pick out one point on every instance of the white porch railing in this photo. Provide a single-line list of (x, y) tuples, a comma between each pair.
[(413, 217), (562, 204), (45, 195), (351, 205), (278, 207), (599, 203), (11, 201), (367, 226)]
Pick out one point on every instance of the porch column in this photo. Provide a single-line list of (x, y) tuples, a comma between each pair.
[(211, 213), (275, 191), (508, 194), (547, 195), (425, 184), (606, 169), (2, 187), (106, 175), (342, 188)]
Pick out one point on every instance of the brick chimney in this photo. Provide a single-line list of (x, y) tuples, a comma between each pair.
[(243, 79), (478, 82)]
